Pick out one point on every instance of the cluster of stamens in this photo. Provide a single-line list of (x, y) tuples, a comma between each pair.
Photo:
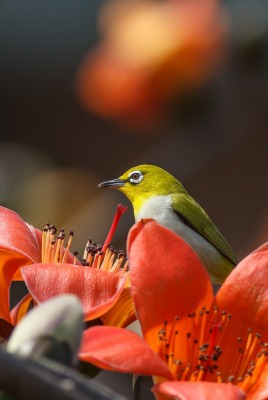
[(193, 347), (56, 250), (109, 260)]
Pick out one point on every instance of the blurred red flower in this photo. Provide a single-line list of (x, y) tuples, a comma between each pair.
[(149, 52)]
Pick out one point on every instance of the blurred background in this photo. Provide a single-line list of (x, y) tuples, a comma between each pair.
[(90, 88)]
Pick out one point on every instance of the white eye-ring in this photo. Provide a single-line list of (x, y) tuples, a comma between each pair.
[(135, 177)]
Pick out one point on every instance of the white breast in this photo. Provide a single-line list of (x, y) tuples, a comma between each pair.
[(160, 209)]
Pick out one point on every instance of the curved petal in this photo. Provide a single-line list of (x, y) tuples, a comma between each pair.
[(18, 247), (244, 295), (121, 350), (198, 391), (98, 290), (261, 248), (122, 313), (16, 236), (19, 311), (37, 233), (167, 278)]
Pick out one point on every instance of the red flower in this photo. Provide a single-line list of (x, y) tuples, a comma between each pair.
[(194, 344), (19, 246), (150, 52), (49, 269)]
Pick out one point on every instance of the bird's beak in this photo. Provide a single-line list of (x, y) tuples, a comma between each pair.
[(114, 183)]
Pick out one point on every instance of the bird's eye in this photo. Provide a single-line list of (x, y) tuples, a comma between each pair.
[(135, 177)]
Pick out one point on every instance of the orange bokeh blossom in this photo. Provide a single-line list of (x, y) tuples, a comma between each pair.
[(195, 345), (44, 261), (149, 53)]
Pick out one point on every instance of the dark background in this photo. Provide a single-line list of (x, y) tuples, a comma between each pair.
[(53, 152)]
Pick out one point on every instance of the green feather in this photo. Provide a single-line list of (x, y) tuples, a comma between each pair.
[(196, 218)]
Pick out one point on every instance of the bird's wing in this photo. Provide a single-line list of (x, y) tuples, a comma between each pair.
[(196, 218)]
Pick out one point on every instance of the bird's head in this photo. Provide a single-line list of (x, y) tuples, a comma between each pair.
[(144, 181)]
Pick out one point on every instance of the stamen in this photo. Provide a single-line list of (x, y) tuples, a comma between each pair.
[(91, 250), (258, 368), (125, 267), (162, 339), (86, 251), (57, 249), (68, 247), (96, 261), (108, 260), (172, 341), (192, 347), (201, 373), (219, 378), (99, 258), (201, 324), (75, 257), (62, 236), (119, 262), (225, 318), (186, 372)]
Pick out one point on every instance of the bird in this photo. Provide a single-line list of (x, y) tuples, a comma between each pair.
[(156, 194)]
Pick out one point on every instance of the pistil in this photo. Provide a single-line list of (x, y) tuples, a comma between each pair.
[(103, 257)]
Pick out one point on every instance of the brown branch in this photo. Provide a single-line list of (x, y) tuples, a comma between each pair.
[(43, 379)]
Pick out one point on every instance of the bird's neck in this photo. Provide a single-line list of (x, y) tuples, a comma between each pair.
[(152, 207)]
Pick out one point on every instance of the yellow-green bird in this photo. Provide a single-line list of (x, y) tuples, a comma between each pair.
[(155, 193)]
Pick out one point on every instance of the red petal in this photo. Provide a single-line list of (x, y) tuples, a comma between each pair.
[(198, 391), (16, 236), (19, 246), (263, 247), (167, 278), (121, 350), (98, 290), (244, 295), (248, 282)]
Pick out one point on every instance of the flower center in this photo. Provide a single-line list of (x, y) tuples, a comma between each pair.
[(193, 347), (54, 249), (110, 260)]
